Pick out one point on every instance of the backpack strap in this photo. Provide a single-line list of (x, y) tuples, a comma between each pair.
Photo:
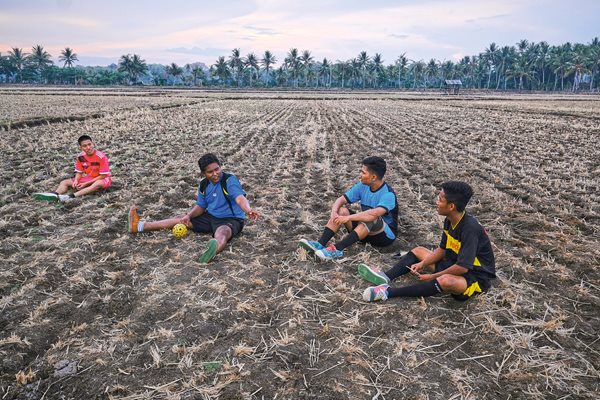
[(225, 192)]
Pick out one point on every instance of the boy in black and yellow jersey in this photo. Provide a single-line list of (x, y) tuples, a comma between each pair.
[(462, 265)]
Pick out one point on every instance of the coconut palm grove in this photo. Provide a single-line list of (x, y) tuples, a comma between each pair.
[(525, 66)]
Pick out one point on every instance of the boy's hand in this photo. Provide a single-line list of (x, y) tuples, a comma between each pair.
[(341, 219), (186, 221), (416, 268), (253, 215)]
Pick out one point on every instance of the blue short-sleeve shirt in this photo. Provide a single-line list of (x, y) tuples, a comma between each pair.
[(214, 202), (384, 197)]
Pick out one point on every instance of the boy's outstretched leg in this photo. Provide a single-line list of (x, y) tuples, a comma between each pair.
[(216, 245), (135, 225), (384, 292)]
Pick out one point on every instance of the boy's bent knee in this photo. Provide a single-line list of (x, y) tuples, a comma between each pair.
[(452, 283), (343, 211)]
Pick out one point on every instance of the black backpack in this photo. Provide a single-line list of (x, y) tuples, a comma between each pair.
[(204, 184)]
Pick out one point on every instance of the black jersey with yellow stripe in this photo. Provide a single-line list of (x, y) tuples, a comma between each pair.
[(467, 244)]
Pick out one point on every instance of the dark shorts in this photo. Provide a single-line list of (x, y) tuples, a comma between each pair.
[(476, 282), (379, 239), (206, 223)]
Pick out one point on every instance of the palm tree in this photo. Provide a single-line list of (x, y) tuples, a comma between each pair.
[(363, 61), (417, 69), (174, 70), (578, 64), (17, 59), (402, 62), (521, 69), (292, 63), (490, 55), (560, 61), (197, 73), (132, 66), (221, 70), (504, 57), (41, 59), (236, 64), (378, 69), (68, 57), (251, 62), (280, 75), (543, 54), (325, 72), (267, 61), (594, 58), (139, 67), (447, 70), (306, 60), (431, 70)]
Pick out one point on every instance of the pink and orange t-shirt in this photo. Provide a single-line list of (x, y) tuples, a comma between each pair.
[(94, 165)]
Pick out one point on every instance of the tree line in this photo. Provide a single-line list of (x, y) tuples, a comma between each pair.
[(523, 66)]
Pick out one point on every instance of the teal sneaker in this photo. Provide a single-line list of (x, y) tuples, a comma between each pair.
[(310, 245), (376, 293), (210, 252), (47, 196), (373, 275), (329, 253)]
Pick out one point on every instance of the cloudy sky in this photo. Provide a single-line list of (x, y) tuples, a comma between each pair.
[(185, 31)]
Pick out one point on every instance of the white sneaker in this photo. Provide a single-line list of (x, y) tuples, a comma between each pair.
[(65, 198)]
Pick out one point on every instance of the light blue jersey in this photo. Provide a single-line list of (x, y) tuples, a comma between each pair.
[(384, 197)]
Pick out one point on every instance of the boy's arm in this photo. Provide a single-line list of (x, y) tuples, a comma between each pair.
[(368, 215), (433, 257), (88, 183), (78, 176), (452, 270), (194, 212), (244, 204), (335, 208)]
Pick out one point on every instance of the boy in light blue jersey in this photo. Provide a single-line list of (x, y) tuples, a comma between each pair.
[(376, 223), (220, 209)]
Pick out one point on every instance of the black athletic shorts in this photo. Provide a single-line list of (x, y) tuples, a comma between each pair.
[(477, 282), (206, 223), (379, 239)]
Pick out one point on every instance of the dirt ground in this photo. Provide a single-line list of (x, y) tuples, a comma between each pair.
[(89, 311)]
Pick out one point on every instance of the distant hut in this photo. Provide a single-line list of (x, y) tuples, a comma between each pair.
[(452, 86)]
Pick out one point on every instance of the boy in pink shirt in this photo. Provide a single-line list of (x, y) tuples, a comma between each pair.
[(92, 173)]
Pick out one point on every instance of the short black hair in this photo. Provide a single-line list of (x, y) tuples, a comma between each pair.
[(457, 192), (83, 138), (376, 165), (206, 160)]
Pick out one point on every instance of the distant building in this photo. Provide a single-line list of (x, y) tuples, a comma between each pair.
[(452, 86)]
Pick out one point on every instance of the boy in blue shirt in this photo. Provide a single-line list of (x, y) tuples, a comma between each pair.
[(376, 223), (214, 211)]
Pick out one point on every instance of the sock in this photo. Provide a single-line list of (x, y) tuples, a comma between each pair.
[(141, 226), (351, 238), (419, 290), (326, 236), (402, 266)]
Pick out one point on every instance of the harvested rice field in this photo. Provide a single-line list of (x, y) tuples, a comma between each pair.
[(90, 311)]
